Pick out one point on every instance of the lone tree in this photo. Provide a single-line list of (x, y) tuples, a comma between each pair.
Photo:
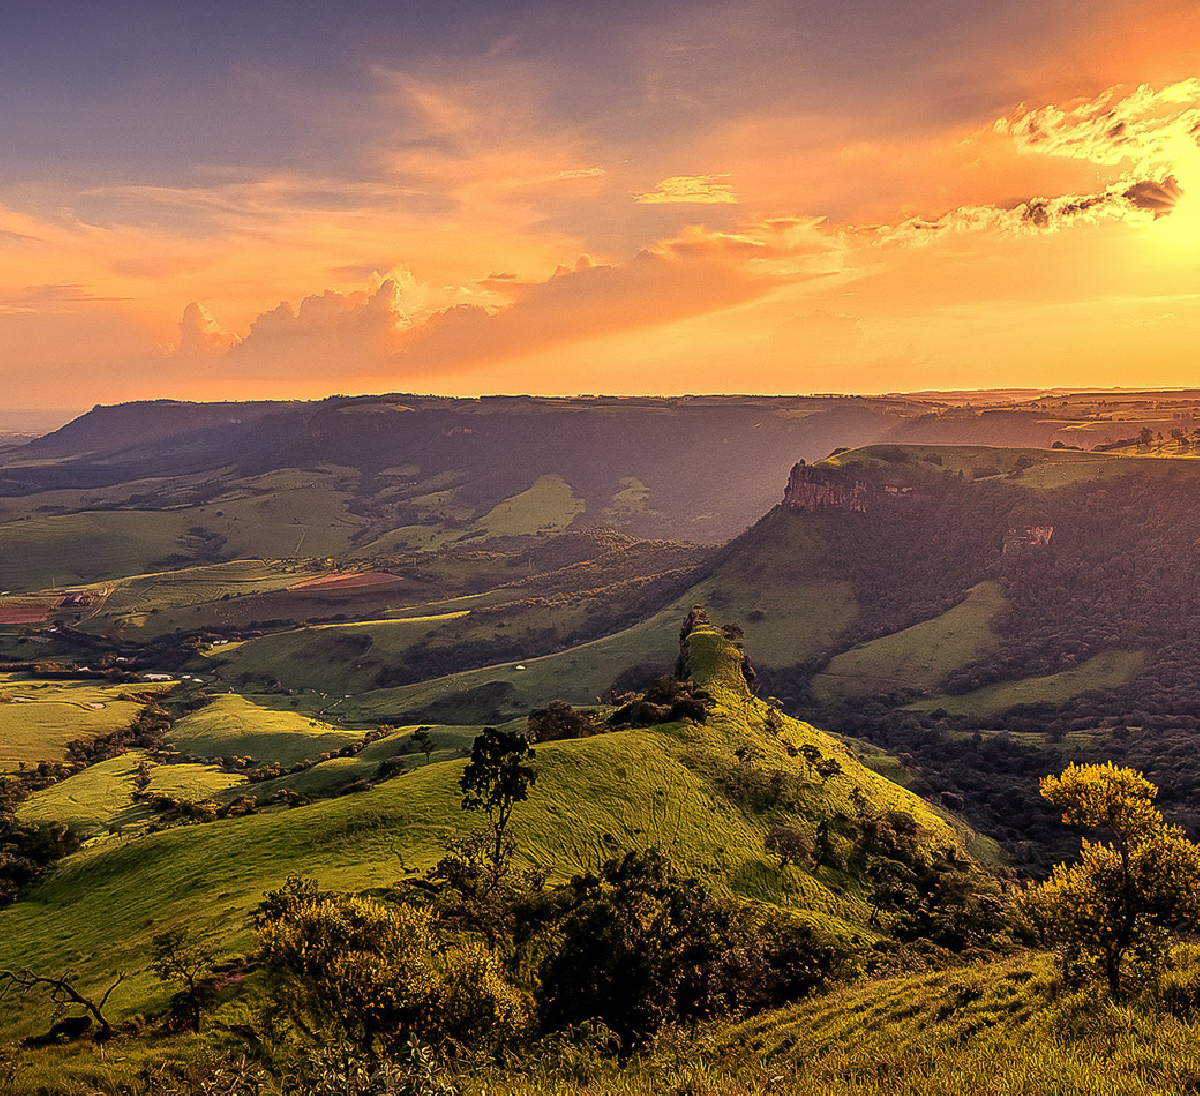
[(1116, 909), (497, 778), (179, 959), (424, 740)]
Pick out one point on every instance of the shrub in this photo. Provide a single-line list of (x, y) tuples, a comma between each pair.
[(375, 975)]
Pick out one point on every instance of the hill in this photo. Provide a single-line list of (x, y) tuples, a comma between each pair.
[(705, 792), (1002, 611)]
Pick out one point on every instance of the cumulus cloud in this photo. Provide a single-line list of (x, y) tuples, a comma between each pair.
[(378, 332), (690, 189), (199, 333), (1154, 136)]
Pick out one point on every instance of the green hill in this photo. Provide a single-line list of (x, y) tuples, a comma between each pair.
[(679, 786)]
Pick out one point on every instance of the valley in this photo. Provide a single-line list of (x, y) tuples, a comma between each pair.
[(263, 641)]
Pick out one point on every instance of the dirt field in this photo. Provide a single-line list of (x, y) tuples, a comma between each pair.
[(24, 614), (352, 580)]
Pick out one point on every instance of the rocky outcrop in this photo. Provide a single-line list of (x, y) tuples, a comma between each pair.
[(1019, 538), (813, 488)]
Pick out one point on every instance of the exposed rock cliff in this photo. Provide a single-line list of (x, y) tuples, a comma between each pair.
[(1027, 536), (814, 488)]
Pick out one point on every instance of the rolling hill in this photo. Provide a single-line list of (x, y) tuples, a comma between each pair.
[(671, 786)]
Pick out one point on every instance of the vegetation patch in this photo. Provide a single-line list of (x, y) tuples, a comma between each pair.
[(1103, 671), (917, 658), (232, 725)]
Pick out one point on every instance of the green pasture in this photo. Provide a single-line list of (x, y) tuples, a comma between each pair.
[(917, 658), (548, 506), (1106, 670), (234, 726), (100, 796), (39, 718)]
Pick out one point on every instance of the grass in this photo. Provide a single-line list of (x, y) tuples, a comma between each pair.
[(39, 718), (234, 726), (100, 796), (67, 549), (548, 506), (1106, 670), (334, 659), (1050, 468), (284, 514), (917, 658), (98, 909), (332, 776), (1000, 1027), (135, 598)]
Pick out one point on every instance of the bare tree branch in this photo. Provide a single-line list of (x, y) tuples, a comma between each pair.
[(62, 990)]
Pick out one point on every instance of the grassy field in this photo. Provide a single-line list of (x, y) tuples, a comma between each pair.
[(38, 718), (97, 911), (99, 797), (548, 506), (1005, 1027), (136, 597), (919, 657), (284, 514), (68, 549), (1103, 671), (330, 658), (234, 726), (330, 777), (340, 659), (1050, 468)]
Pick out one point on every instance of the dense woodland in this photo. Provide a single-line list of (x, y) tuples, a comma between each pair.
[(1118, 573)]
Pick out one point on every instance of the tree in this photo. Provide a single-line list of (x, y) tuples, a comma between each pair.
[(790, 844), (638, 946), (497, 778), (1115, 910), (558, 720), (423, 739), (179, 959)]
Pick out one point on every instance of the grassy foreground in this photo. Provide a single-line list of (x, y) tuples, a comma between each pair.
[(1004, 1027)]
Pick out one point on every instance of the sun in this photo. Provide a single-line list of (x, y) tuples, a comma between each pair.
[(1177, 222)]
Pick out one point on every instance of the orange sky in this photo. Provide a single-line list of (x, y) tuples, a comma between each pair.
[(724, 198)]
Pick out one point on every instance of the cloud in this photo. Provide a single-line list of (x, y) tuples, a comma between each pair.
[(54, 297), (1145, 128), (199, 333), (691, 190), (385, 333)]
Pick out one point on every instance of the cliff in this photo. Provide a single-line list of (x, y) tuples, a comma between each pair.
[(811, 487), (1027, 536)]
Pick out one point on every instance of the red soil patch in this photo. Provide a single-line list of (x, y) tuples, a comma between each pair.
[(24, 614), (351, 581)]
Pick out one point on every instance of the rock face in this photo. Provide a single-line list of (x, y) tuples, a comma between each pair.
[(1021, 537), (813, 488)]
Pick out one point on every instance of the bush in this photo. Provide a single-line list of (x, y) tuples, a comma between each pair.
[(640, 947), (375, 975)]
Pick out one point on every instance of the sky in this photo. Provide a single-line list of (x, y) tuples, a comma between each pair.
[(260, 199)]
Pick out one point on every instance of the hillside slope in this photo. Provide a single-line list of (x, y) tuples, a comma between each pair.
[(678, 786)]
